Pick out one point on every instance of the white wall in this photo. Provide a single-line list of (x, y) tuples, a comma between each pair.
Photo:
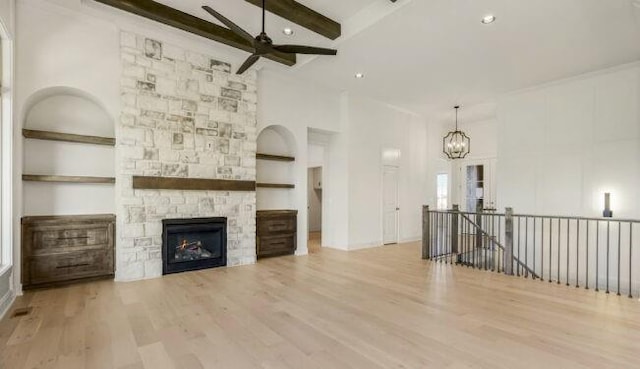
[(436, 160), (60, 111), (562, 145), (7, 22), (275, 140), (374, 127), (298, 106), (7, 13), (484, 150)]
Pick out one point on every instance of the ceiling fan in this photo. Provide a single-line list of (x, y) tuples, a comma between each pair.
[(262, 44)]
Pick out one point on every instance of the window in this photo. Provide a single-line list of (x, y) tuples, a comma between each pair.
[(442, 191)]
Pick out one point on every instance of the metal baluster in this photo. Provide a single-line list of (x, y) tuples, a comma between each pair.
[(630, 255), (438, 235), (519, 258), (597, 254), (534, 248), (442, 239), (499, 239), (474, 242), (568, 239), (465, 241), (559, 246), (484, 246), (608, 248), (550, 248), (445, 233), (434, 234), (526, 243), (493, 243), (577, 253), (619, 247), (542, 251), (587, 263), (439, 243)]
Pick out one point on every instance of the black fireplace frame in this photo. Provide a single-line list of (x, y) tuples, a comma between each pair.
[(184, 266)]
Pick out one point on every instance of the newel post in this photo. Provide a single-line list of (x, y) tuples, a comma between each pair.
[(508, 239), (454, 229), (426, 234)]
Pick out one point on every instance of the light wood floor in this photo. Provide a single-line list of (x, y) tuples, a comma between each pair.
[(376, 308), (314, 242)]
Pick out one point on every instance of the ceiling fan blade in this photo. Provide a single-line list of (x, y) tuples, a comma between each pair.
[(248, 63), (299, 49), (232, 26)]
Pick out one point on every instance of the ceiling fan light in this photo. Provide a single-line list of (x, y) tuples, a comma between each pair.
[(288, 31)]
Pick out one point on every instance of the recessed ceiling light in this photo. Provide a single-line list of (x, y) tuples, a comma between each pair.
[(359, 75), (488, 19), (288, 31)]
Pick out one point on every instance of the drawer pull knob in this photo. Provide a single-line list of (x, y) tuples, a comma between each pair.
[(72, 266)]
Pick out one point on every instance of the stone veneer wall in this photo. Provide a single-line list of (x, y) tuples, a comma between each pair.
[(184, 114)]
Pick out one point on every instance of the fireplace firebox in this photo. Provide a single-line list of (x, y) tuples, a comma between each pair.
[(192, 244)]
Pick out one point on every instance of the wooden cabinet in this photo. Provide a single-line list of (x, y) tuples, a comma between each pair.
[(276, 232), (63, 249)]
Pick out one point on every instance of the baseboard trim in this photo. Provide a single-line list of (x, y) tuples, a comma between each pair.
[(411, 239), (362, 246), (6, 302)]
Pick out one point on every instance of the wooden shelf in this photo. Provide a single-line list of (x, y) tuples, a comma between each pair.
[(275, 185), (260, 156), (68, 137), (191, 184), (67, 179)]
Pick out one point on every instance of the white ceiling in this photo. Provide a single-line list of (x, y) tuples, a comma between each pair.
[(428, 55)]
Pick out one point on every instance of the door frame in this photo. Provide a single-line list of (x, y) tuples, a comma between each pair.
[(490, 163), (398, 209)]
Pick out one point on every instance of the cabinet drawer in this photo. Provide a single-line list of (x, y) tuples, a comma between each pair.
[(276, 245), (275, 225), (45, 240), (69, 266)]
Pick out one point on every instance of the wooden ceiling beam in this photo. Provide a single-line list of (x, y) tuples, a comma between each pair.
[(299, 14), (192, 24)]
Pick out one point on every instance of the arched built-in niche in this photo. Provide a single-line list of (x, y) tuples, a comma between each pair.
[(69, 155), (275, 169)]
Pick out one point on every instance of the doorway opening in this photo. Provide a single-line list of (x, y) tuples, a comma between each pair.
[(314, 206), (442, 191), (316, 170), (477, 185)]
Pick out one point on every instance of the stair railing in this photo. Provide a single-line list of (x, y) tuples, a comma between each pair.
[(599, 253)]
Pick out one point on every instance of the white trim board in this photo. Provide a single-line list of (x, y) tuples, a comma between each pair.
[(6, 302)]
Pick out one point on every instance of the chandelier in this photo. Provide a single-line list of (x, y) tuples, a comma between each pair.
[(456, 144)]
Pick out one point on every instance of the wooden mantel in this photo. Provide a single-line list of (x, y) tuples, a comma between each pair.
[(191, 184)]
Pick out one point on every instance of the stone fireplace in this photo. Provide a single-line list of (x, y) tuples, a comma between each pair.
[(193, 244), (184, 115)]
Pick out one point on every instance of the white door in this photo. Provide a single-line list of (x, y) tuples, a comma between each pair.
[(476, 185), (390, 207)]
